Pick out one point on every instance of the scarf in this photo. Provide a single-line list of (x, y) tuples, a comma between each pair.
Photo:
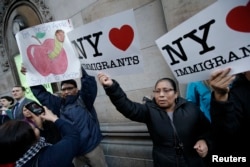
[(32, 152)]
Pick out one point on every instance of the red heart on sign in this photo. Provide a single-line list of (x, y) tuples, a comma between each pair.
[(238, 18), (121, 38)]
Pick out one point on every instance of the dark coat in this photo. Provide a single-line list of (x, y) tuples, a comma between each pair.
[(4, 118), (78, 110), (60, 154), (189, 121), (231, 120), (50, 132)]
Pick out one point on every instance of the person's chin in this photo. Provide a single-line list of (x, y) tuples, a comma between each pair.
[(164, 106)]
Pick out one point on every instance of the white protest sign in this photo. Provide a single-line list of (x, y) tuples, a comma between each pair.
[(47, 53), (110, 45), (215, 38)]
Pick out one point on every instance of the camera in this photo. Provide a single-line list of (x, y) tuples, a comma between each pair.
[(35, 108)]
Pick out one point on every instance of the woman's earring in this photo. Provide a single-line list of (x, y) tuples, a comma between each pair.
[(176, 100)]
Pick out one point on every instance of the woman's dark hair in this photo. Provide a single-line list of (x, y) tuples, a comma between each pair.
[(171, 81), (16, 137)]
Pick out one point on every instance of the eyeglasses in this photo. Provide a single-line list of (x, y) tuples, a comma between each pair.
[(165, 91), (67, 88)]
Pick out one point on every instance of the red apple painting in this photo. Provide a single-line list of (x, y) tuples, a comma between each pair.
[(48, 57)]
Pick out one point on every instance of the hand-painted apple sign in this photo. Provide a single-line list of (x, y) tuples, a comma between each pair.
[(121, 38), (238, 18), (38, 56)]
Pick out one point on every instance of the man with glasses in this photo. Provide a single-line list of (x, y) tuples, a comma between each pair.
[(77, 107)]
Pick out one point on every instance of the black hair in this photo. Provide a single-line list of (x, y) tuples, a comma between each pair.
[(16, 137), (9, 98), (171, 81), (70, 81)]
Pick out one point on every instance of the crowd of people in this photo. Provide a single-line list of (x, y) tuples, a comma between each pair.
[(206, 128)]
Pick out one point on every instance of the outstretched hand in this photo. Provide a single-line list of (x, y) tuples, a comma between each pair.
[(104, 79), (220, 81)]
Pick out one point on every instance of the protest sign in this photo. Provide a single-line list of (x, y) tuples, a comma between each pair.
[(110, 45), (22, 78), (47, 53), (215, 38)]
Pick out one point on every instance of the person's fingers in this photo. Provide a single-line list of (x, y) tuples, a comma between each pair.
[(225, 72), (217, 75), (101, 76), (104, 78), (220, 79), (45, 107)]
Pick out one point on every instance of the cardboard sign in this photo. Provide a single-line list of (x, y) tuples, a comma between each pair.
[(47, 54), (110, 45), (28, 92), (215, 38)]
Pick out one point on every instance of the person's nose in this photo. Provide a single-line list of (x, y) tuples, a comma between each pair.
[(162, 93), (67, 91)]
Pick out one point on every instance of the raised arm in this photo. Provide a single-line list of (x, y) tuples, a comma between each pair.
[(47, 99), (88, 90), (132, 110), (69, 143)]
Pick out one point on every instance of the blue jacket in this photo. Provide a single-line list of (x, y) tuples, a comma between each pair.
[(200, 94), (78, 110)]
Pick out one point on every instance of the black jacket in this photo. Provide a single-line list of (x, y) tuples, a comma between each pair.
[(231, 120), (189, 121)]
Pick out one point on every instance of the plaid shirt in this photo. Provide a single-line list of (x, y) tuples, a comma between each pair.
[(32, 152)]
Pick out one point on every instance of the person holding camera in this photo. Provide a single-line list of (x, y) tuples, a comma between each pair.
[(21, 144), (179, 130), (77, 107), (47, 129)]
